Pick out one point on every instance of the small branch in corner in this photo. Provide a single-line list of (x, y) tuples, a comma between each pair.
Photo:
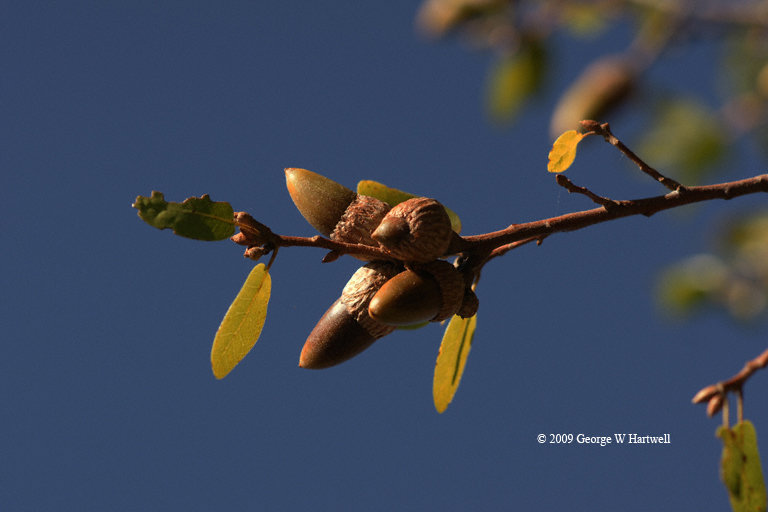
[(715, 394)]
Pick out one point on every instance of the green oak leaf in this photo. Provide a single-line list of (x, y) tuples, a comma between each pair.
[(196, 218)]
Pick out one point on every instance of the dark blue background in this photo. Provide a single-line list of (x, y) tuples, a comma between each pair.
[(107, 398)]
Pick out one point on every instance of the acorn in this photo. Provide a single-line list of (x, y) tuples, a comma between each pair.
[(346, 329), (320, 200), (416, 230), (334, 210), (432, 292)]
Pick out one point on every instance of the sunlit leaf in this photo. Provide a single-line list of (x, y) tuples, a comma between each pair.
[(513, 80), (740, 468), (564, 151), (393, 197), (242, 324), (196, 218), (451, 360)]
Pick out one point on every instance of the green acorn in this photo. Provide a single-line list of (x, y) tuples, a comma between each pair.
[(432, 292), (334, 210)]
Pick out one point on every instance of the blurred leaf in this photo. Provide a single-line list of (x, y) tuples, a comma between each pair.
[(196, 218), (602, 86), (564, 151), (438, 17), (393, 197), (740, 468), (685, 141), (451, 360), (243, 322), (584, 19), (735, 280), (514, 79), (743, 60), (747, 238), (692, 283)]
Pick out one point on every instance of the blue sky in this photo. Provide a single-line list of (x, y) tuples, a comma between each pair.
[(108, 400)]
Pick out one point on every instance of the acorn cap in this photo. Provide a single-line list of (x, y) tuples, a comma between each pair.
[(320, 200), (416, 230), (359, 220)]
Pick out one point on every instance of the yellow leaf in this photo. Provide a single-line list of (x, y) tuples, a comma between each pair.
[(242, 324), (564, 151), (454, 350), (393, 197)]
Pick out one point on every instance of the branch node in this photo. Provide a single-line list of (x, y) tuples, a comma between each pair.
[(715, 394)]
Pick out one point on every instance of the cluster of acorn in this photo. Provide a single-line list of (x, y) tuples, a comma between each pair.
[(412, 286)]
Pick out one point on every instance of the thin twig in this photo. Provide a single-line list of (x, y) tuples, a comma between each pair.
[(570, 187), (605, 130)]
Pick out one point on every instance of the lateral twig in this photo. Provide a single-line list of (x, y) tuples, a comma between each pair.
[(605, 130), (570, 187)]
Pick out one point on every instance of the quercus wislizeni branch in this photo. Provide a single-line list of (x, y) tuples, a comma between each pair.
[(484, 246), (476, 250)]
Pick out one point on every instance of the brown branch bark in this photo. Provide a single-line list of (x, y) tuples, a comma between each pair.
[(647, 206), (480, 248)]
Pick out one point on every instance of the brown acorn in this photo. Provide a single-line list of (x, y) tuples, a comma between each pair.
[(347, 329), (432, 292), (416, 230), (334, 210)]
